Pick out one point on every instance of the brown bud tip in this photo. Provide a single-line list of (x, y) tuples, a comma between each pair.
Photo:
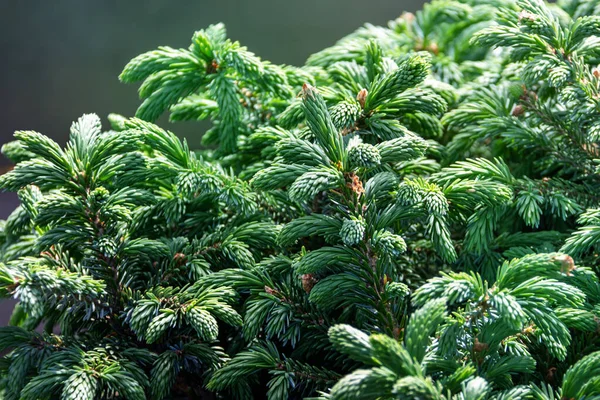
[(179, 258), (308, 282), (269, 290), (596, 72), (478, 347), (355, 184), (518, 110), (308, 90), (361, 97), (434, 48), (567, 264)]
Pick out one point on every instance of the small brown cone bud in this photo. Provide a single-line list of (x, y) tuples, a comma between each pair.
[(478, 347), (361, 97), (308, 91), (270, 291), (434, 48), (518, 110), (212, 67), (179, 258), (567, 263), (355, 184), (308, 282)]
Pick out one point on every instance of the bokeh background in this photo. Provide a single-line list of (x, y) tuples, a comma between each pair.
[(60, 59)]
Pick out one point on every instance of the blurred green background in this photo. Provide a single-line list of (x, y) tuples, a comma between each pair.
[(60, 59)]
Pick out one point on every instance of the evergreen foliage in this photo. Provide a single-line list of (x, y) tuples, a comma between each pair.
[(413, 214)]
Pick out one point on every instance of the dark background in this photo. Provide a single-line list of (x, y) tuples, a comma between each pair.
[(60, 59)]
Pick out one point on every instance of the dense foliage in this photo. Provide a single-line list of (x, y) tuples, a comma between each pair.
[(413, 214)]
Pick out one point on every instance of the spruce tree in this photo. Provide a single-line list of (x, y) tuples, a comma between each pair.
[(413, 214)]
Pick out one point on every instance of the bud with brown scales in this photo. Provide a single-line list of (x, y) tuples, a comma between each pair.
[(518, 110), (271, 291), (308, 282), (180, 258), (361, 97), (479, 347), (567, 264), (355, 184)]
